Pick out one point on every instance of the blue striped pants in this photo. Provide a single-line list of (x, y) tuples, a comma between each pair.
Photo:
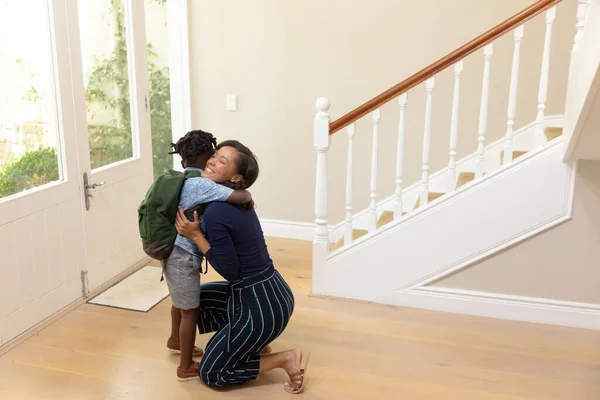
[(247, 315)]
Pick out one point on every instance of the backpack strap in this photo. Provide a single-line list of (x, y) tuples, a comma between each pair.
[(192, 174), (188, 174)]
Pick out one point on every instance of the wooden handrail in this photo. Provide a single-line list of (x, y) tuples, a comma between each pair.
[(443, 63)]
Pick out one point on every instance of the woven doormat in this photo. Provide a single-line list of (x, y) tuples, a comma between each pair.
[(140, 291)]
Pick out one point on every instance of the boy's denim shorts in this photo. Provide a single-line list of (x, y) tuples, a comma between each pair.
[(182, 271)]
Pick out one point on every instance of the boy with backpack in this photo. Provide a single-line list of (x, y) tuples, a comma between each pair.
[(182, 266)]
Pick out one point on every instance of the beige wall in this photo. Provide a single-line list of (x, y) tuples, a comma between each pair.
[(279, 56), (584, 94), (562, 263)]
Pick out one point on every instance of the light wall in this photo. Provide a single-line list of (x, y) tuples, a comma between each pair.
[(583, 103), (279, 56), (560, 264)]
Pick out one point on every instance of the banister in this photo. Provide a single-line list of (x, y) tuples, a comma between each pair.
[(443, 63)]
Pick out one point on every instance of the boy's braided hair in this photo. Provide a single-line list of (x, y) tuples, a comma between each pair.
[(194, 144)]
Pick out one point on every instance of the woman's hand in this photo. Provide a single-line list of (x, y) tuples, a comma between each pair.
[(185, 227)]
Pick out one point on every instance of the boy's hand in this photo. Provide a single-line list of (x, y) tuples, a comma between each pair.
[(185, 227), (240, 197), (249, 205)]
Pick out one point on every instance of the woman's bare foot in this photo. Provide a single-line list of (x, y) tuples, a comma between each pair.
[(291, 361), (292, 366)]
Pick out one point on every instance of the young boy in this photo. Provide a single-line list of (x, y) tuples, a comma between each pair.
[(182, 268)]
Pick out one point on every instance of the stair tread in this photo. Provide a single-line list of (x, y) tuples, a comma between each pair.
[(431, 196), (516, 154), (356, 233), (386, 217), (552, 133), (464, 178)]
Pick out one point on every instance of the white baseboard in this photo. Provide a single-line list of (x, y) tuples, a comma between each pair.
[(288, 229), (501, 306)]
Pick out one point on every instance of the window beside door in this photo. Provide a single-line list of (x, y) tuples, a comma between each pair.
[(104, 51), (106, 70), (29, 131), (30, 152)]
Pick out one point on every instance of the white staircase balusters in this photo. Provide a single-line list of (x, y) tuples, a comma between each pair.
[(458, 69), (376, 117), (321, 143), (367, 219), (582, 8), (539, 138), (483, 111), (424, 195), (402, 100), (512, 97), (349, 179)]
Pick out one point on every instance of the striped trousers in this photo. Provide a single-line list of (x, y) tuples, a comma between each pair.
[(246, 315)]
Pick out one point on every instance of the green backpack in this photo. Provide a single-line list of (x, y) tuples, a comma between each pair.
[(156, 213)]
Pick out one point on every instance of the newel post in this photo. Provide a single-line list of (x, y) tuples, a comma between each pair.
[(321, 240)]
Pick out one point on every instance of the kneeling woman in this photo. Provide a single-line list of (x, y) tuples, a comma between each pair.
[(255, 304)]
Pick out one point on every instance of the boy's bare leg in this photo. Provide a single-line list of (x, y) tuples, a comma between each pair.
[(174, 342), (175, 323), (187, 336)]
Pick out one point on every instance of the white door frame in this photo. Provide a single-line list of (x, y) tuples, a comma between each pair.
[(179, 69), (105, 259), (45, 222), (24, 209)]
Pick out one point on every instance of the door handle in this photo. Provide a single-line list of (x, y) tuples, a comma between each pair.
[(86, 189), (94, 185)]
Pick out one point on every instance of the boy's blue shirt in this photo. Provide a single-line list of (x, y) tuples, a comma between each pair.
[(196, 191)]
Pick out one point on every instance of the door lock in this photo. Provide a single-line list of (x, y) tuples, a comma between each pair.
[(86, 188)]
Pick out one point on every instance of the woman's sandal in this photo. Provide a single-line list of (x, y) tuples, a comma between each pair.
[(288, 388)]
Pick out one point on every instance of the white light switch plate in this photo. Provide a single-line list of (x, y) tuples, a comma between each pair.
[(231, 102)]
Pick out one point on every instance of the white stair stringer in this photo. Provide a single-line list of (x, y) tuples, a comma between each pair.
[(439, 181), (530, 196)]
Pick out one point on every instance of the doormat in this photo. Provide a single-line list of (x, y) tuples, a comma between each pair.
[(140, 291)]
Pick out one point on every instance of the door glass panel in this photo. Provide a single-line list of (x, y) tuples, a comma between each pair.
[(29, 132), (106, 73), (158, 74)]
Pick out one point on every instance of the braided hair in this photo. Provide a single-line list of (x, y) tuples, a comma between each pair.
[(194, 144)]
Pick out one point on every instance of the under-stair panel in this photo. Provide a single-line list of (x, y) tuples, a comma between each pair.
[(531, 195)]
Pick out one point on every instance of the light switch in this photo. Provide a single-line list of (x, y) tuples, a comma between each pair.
[(231, 102)]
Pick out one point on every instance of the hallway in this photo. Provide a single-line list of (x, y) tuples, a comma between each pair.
[(358, 351)]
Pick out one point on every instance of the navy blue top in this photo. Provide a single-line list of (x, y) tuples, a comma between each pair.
[(237, 244)]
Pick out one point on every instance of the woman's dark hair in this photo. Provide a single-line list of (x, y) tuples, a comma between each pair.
[(194, 144), (246, 163)]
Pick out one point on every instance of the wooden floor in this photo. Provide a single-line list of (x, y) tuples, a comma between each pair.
[(358, 351)]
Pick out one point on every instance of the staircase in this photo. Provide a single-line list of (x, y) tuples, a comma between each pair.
[(503, 193), (386, 213)]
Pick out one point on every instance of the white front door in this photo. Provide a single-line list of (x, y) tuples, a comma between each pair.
[(41, 231), (115, 151), (74, 102)]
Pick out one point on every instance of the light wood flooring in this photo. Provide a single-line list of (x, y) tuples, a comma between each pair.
[(358, 351)]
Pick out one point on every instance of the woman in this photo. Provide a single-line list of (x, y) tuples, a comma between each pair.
[(254, 305)]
